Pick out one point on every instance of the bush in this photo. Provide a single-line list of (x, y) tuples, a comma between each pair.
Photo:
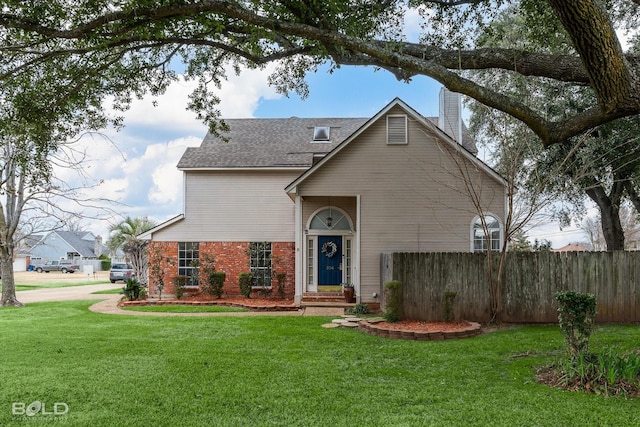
[(576, 315), (105, 262), (213, 281), (281, 278), (359, 309), (606, 373), (449, 297), (132, 290), (216, 283), (245, 280), (179, 283), (392, 301)]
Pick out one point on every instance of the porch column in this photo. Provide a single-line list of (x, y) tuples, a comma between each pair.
[(356, 273), (299, 255)]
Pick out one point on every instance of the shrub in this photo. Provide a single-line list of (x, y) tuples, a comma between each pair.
[(213, 281), (392, 301), (449, 297), (105, 262), (576, 314), (245, 280), (132, 290), (359, 309), (179, 283), (281, 278), (216, 283), (606, 373)]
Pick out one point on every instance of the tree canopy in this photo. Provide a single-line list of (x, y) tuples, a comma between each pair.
[(63, 53)]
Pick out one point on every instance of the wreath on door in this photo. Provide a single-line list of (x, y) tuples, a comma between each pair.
[(329, 249)]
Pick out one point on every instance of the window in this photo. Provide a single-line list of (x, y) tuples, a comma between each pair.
[(396, 129), (321, 133), (188, 255), (310, 260), (489, 239), (348, 256), (330, 219), (260, 262)]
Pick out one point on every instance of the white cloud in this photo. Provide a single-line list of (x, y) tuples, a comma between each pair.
[(239, 97), (136, 167), (413, 23)]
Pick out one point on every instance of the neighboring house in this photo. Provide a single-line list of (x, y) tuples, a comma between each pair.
[(573, 247), (22, 258), (321, 199), (69, 245)]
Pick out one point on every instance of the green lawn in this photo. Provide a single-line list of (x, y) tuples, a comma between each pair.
[(287, 371), (184, 308), (22, 287)]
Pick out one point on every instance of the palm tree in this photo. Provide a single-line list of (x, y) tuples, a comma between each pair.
[(124, 235)]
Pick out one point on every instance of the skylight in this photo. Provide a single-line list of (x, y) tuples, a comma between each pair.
[(321, 133)]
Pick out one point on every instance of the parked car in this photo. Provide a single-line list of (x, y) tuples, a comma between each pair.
[(121, 271), (63, 266)]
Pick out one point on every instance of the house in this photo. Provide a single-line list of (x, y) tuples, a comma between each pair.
[(70, 245), (22, 252), (321, 198), (572, 247)]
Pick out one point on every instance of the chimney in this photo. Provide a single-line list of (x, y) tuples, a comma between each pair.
[(97, 246), (450, 118)]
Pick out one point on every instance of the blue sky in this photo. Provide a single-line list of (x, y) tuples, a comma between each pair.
[(137, 166)]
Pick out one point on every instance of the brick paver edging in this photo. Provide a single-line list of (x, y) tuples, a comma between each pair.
[(373, 327), (274, 307)]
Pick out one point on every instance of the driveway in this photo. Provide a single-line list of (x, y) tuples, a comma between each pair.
[(108, 304), (65, 294)]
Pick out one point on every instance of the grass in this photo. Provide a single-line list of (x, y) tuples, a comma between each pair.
[(108, 291), (184, 308), (21, 287), (284, 371)]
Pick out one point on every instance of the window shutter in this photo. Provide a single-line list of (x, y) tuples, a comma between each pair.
[(396, 129)]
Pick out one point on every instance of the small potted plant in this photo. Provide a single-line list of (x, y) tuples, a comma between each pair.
[(349, 292)]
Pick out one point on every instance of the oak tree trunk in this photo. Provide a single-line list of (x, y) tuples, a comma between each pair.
[(609, 206), (8, 283)]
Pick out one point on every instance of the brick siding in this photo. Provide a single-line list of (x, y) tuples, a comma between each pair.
[(230, 258)]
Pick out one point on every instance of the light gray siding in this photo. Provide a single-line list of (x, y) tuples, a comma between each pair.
[(413, 196), (234, 206)]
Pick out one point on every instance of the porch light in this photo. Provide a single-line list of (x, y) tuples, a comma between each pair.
[(329, 222)]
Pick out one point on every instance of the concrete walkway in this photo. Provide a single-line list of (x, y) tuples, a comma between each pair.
[(108, 304)]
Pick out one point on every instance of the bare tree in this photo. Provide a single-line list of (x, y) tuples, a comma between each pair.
[(35, 201)]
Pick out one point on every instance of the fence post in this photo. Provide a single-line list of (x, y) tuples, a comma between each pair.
[(386, 273)]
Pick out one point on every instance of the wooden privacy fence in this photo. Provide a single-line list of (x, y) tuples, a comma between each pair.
[(530, 281)]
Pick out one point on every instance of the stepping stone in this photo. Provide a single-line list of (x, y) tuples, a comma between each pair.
[(331, 325), (349, 325), (339, 321)]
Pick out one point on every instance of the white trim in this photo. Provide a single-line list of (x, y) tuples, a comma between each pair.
[(500, 228), (405, 138), (327, 232), (148, 235), (414, 115), (299, 252), (246, 168), (356, 253)]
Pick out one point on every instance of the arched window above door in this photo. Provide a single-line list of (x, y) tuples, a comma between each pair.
[(330, 219)]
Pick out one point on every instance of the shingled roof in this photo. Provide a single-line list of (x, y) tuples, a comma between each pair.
[(275, 143)]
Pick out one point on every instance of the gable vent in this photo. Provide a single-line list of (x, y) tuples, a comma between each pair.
[(396, 129), (321, 133)]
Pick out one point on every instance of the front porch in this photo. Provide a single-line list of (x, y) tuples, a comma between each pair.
[(325, 299)]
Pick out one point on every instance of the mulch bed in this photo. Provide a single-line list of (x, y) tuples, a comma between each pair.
[(420, 330), (418, 325), (256, 304)]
